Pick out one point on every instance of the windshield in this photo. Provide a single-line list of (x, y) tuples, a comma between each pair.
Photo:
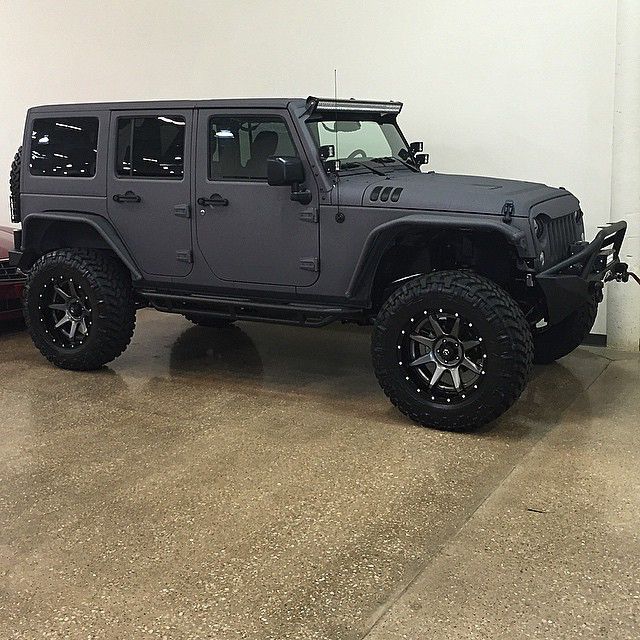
[(356, 140)]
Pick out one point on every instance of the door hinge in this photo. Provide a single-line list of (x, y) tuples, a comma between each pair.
[(310, 264), (184, 256), (508, 211), (309, 215), (182, 210)]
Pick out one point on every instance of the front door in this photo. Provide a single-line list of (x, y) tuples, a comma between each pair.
[(149, 188), (248, 231)]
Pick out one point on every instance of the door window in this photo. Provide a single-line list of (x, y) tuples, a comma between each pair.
[(64, 147), (150, 147), (240, 145)]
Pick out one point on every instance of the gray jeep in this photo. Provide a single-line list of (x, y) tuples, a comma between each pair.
[(301, 212)]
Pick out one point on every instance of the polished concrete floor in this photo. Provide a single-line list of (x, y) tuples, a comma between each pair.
[(254, 482)]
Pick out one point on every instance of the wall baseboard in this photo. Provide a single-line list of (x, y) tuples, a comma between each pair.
[(596, 340)]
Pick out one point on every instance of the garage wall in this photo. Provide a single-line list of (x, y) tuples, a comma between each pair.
[(513, 88)]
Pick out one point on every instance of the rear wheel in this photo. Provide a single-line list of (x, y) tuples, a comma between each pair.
[(452, 350), (79, 308), (208, 321), (558, 340)]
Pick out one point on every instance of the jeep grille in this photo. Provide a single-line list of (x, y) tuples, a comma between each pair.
[(562, 232)]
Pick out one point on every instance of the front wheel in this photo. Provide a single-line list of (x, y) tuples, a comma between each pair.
[(452, 350)]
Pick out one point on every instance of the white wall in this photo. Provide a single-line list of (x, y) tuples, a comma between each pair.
[(514, 88), (623, 303)]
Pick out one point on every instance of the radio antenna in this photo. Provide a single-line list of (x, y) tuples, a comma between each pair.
[(335, 126)]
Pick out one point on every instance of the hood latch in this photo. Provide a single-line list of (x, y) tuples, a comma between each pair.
[(508, 210)]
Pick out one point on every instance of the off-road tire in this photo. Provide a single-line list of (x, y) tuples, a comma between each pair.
[(208, 321), (107, 285), (559, 340), (506, 340), (14, 185)]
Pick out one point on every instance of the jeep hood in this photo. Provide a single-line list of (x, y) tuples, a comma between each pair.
[(445, 192)]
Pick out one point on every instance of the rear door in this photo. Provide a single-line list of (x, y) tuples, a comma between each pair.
[(247, 230), (149, 187)]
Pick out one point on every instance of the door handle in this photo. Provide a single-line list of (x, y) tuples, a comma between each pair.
[(216, 200), (127, 196)]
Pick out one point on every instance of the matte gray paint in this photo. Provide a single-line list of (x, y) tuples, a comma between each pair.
[(259, 236), (150, 228), (427, 201)]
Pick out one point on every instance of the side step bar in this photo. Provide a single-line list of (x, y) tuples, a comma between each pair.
[(293, 313)]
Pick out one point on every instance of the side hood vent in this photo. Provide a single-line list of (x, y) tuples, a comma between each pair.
[(386, 193)]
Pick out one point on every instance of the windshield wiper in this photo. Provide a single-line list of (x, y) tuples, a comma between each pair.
[(351, 164), (390, 159)]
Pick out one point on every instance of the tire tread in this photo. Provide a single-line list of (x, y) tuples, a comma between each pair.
[(499, 307)]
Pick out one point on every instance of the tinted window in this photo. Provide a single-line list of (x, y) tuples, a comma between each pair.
[(150, 147), (64, 147), (240, 145)]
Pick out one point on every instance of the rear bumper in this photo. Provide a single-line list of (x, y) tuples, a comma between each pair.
[(574, 281), (10, 299)]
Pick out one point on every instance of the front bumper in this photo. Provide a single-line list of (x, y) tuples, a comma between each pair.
[(574, 281)]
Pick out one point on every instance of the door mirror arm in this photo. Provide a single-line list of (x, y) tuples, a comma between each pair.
[(300, 194)]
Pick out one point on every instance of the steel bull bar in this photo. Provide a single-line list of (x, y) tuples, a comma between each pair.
[(575, 280)]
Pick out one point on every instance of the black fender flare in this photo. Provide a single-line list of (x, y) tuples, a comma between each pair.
[(382, 236), (98, 223)]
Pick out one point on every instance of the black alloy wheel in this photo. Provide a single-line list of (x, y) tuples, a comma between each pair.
[(452, 350)]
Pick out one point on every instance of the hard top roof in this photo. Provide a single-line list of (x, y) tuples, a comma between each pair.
[(311, 103), (252, 103)]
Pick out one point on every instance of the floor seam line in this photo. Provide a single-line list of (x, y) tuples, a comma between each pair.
[(438, 553)]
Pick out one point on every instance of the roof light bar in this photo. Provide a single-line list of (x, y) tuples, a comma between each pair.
[(346, 106)]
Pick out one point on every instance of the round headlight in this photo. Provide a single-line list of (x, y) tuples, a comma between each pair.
[(538, 227)]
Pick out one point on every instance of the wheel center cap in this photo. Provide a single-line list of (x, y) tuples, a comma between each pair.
[(448, 351), (76, 310)]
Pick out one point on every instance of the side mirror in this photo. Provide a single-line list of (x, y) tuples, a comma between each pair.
[(416, 147), (284, 170), (421, 158), (288, 170)]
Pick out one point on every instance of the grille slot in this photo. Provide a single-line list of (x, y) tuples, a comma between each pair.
[(562, 232)]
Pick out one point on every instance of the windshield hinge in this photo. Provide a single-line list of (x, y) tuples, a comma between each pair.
[(309, 215), (508, 211)]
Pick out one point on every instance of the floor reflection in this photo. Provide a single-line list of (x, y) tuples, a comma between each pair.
[(205, 351)]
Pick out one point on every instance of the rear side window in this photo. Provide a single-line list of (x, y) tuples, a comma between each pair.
[(150, 147), (64, 147)]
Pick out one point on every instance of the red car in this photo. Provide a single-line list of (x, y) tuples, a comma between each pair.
[(11, 282)]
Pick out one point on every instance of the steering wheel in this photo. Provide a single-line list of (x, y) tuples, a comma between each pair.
[(357, 153)]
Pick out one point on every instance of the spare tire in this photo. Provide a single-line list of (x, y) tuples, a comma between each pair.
[(14, 186)]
